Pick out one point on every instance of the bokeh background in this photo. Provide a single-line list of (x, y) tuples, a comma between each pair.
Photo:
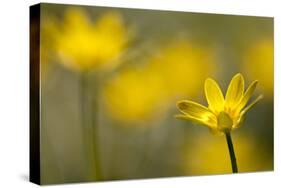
[(110, 80)]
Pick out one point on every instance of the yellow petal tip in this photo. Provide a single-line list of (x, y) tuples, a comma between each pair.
[(209, 80), (179, 104), (239, 75), (255, 82)]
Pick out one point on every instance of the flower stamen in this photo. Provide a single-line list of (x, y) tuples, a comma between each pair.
[(225, 122)]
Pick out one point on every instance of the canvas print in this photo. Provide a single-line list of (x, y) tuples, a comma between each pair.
[(120, 93)]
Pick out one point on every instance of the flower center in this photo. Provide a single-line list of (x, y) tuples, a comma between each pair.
[(224, 122)]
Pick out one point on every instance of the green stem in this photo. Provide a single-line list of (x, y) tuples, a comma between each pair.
[(94, 122), (83, 101), (231, 152), (89, 123)]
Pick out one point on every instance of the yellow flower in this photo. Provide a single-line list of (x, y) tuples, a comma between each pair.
[(222, 114), (182, 57), (133, 96), (82, 45)]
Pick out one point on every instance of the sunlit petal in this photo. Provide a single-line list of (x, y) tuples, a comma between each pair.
[(197, 111), (234, 92), (248, 94), (239, 122), (199, 121), (214, 96), (245, 110)]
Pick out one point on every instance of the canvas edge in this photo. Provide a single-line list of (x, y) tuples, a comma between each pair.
[(34, 95)]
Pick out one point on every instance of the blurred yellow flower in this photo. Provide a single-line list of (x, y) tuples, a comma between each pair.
[(148, 89), (84, 45), (223, 114), (182, 67), (133, 95), (258, 63), (206, 155)]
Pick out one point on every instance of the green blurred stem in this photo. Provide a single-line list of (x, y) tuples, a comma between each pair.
[(94, 122), (231, 152), (89, 118)]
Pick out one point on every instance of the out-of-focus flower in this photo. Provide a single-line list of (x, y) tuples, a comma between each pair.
[(83, 45), (143, 91), (222, 114), (258, 64), (133, 95), (183, 67), (206, 155)]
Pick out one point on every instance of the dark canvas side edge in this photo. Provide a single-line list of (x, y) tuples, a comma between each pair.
[(34, 95)]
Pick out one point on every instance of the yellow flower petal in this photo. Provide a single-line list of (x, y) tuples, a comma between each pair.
[(240, 121), (248, 94), (198, 112), (245, 110), (234, 92), (214, 96), (209, 124)]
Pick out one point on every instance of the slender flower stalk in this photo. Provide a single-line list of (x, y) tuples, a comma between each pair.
[(223, 114), (89, 121), (231, 152), (94, 94)]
